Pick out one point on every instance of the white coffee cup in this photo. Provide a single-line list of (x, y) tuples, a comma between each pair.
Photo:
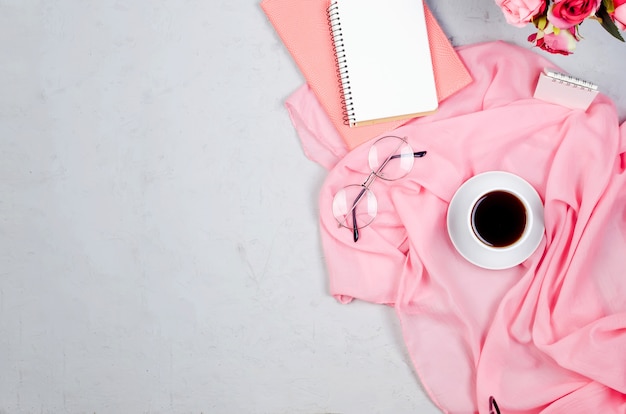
[(472, 244)]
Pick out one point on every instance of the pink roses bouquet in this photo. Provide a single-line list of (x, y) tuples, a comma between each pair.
[(558, 21)]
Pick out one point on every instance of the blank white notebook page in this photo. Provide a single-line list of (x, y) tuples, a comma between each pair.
[(388, 58)]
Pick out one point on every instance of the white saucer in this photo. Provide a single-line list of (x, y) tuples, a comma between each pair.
[(461, 233)]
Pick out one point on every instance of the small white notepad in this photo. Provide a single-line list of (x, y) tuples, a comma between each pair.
[(383, 59), (565, 90)]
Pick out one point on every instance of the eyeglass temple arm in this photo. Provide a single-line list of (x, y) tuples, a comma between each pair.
[(418, 154), (493, 406), (355, 228)]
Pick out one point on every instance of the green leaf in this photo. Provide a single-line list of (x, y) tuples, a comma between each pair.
[(608, 5), (608, 24)]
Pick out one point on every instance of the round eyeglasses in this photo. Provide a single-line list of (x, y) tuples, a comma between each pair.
[(390, 158)]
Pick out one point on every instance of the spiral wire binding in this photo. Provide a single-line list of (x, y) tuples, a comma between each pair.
[(562, 78), (347, 106)]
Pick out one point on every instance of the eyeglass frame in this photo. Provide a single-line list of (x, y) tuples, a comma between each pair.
[(493, 406), (372, 177)]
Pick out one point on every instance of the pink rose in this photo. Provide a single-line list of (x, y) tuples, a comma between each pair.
[(619, 15), (568, 13), (521, 12), (562, 42)]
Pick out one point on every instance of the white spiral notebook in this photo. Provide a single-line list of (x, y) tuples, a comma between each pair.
[(383, 56)]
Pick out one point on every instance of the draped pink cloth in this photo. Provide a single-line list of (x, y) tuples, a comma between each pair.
[(548, 335)]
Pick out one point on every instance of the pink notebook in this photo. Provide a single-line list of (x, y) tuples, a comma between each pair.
[(302, 25)]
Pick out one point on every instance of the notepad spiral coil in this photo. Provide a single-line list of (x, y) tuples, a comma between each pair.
[(569, 80), (341, 64)]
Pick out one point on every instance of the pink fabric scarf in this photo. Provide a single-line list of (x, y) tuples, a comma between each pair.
[(548, 335)]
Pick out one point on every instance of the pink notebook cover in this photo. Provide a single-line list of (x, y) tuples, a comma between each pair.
[(302, 25)]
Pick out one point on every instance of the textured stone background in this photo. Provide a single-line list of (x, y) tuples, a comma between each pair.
[(159, 250)]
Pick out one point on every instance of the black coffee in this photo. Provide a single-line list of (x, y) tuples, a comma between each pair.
[(499, 218)]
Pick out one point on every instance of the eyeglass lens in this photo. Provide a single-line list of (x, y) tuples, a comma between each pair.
[(390, 158)]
